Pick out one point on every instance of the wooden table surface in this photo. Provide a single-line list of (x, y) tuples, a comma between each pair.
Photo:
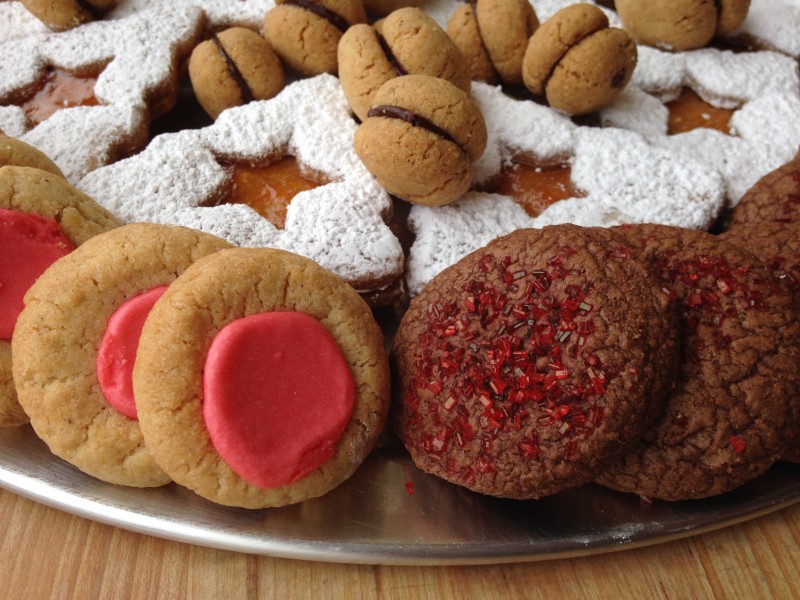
[(46, 553)]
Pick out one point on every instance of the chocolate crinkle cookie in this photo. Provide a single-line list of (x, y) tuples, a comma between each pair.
[(774, 198), (734, 409), (534, 362)]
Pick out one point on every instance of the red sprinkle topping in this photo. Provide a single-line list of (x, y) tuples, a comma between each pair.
[(512, 350), (409, 488), (737, 444)]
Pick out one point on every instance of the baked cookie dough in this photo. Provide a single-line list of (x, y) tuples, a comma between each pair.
[(774, 198), (17, 153), (407, 42), (733, 411), (493, 35), (261, 379), (305, 33), (42, 217), (680, 24), (420, 138), (60, 333), (577, 62), (778, 246), (234, 67), (59, 15), (534, 362)]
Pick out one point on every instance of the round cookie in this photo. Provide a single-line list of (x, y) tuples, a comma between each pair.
[(17, 153), (59, 335), (174, 391), (532, 363), (59, 15), (774, 198), (306, 34), (733, 410), (778, 246), (680, 24), (493, 37), (577, 62), (234, 67), (407, 42), (420, 138), (57, 209)]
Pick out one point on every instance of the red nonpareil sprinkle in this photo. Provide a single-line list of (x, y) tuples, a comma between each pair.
[(737, 444), (409, 488)]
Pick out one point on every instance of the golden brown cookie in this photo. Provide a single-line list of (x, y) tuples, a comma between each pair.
[(319, 403), (59, 335), (18, 153), (577, 62), (407, 42), (420, 139), (234, 67), (37, 210), (59, 15), (680, 24), (493, 36), (306, 33)]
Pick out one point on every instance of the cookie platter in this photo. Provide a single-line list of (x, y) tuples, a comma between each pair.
[(373, 519)]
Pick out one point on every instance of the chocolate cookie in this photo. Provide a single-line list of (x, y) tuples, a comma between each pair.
[(577, 62), (234, 67), (775, 197), (732, 412), (261, 379), (778, 246), (59, 15), (534, 362), (17, 153), (680, 24), (420, 138), (493, 36), (306, 33), (76, 342), (407, 42), (42, 218)]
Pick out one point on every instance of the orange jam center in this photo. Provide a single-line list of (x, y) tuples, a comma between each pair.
[(535, 187), (269, 188), (689, 111), (59, 89)]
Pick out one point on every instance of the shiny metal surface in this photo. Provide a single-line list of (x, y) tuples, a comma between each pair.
[(372, 518)]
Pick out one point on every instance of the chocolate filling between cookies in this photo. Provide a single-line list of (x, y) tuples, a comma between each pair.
[(85, 6), (331, 17), (395, 112), (247, 93), (387, 50)]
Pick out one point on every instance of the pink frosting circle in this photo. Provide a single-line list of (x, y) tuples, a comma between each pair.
[(117, 353), (278, 395), (29, 243)]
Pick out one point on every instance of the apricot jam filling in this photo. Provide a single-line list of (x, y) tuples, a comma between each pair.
[(270, 187), (689, 111), (534, 186), (59, 89)]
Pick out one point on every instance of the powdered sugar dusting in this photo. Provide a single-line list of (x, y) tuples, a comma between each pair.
[(341, 225), (17, 22), (763, 86), (625, 180), (142, 53), (220, 13), (775, 23)]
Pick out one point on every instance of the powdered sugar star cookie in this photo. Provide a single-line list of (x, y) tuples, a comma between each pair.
[(137, 56), (219, 14), (772, 24), (762, 87), (623, 178), (341, 225), (18, 22)]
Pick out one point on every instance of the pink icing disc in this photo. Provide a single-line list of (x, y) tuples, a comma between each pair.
[(29, 243), (278, 396), (117, 353)]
